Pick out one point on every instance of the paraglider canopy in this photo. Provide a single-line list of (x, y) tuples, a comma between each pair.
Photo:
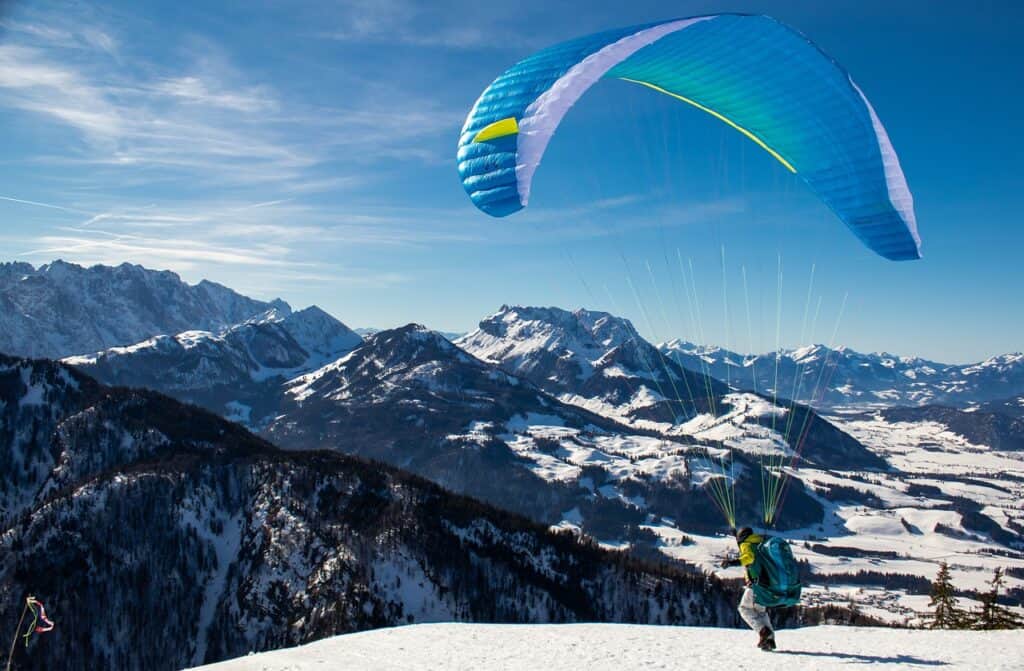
[(762, 78)]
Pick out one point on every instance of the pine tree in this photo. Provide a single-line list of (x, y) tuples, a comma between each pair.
[(945, 612), (992, 614)]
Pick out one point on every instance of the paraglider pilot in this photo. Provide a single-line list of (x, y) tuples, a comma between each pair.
[(753, 613)]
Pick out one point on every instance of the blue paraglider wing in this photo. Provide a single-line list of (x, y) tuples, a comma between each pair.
[(753, 73)]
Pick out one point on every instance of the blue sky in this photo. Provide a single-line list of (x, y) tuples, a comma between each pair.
[(307, 152)]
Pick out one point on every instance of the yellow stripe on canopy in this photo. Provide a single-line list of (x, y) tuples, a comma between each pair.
[(714, 114), (498, 129)]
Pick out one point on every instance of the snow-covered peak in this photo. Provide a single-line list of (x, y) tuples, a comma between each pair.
[(63, 309), (516, 336), (410, 344), (236, 371), (320, 334), (411, 355), (607, 330), (525, 321), (1003, 362), (808, 353)]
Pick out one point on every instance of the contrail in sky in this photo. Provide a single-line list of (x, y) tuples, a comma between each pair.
[(46, 205)]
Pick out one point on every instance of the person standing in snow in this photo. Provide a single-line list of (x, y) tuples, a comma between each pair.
[(753, 613)]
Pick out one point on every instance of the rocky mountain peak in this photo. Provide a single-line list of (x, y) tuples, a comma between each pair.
[(320, 334), (62, 309), (520, 337), (410, 345)]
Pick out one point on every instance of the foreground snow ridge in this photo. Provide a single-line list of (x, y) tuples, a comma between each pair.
[(616, 647)]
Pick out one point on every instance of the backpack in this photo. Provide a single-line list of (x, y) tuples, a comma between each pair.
[(779, 583)]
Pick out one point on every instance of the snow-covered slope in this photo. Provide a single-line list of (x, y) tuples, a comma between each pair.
[(591, 359), (598, 361), (616, 647), (237, 372), (997, 429), (565, 423), (841, 377), (62, 309), (323, 337), (884, 534)]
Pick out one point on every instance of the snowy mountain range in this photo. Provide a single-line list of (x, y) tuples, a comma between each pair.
[(411, 398), (824, 377), (876, 497), (61, 309), (163, 536), (575, 421)]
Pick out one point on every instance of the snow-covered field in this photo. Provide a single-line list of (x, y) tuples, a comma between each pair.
[(616, 647), (908, 527), (929, 447), (897, 535)]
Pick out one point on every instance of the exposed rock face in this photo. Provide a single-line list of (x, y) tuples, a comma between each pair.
[(62, 309)]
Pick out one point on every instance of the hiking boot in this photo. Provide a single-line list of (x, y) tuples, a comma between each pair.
[(766, 639)]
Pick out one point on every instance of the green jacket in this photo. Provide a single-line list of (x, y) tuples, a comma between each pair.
[(748, 556)]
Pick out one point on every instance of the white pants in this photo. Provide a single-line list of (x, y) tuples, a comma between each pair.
[(754, 614)]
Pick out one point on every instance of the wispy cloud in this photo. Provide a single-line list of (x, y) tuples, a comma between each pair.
[(610, 217), (156, 251), (175, 155), (448, 25), (284, 243), (199, 120), (50, 30), (31, 82), (193, 90)]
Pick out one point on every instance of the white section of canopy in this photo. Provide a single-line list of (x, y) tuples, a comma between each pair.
[(896, 182)]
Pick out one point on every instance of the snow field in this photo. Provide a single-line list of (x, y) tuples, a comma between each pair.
[(616, 647)]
